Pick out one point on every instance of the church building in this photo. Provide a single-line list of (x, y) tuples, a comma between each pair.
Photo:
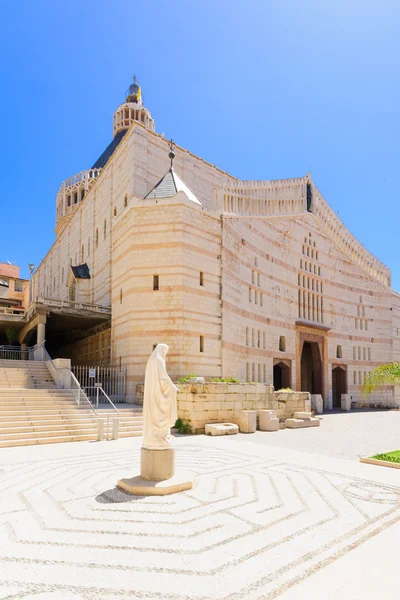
[(256, 280)]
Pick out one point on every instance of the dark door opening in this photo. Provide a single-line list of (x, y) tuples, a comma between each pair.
[(339, 386), (311, 368), (281, 376)]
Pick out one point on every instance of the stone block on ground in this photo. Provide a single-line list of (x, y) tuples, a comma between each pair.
[(248, 421), (345, 402), (270, 425), (302, 415), (264, 418), (221, 429), (300, 423), (317, 403)]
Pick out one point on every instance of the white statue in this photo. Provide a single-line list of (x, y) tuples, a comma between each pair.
[(159, 404)]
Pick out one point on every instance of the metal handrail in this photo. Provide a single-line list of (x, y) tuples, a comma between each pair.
[(99, 388), (80, 391)]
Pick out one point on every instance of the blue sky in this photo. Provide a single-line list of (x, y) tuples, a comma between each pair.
[(265, 89)]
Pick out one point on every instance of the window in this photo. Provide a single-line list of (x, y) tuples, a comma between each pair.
[(247, 372), (339, 352), (250, 295), (115, 211), (201, 278), (264, 341), (282, 343), (18, 286), (354, 377), (354, 353), (82, 253), (369, 353), (156, 282), (105, 228), (247, 336), (120, 296), (202, 343), (97, 237), (126, 201)]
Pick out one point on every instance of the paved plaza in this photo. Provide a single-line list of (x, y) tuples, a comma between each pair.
[(262, 521)]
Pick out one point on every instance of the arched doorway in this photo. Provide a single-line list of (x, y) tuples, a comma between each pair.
[(339, 386), (311, 368), (281, 376)]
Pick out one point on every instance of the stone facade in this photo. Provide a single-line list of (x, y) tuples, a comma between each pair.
[(257, 280)]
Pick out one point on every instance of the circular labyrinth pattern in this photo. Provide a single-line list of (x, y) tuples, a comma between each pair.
[(249, 529)]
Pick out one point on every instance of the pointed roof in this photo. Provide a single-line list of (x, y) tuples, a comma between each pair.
[(170, 185)]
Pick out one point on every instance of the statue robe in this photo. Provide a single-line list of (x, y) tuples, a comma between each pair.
[(159, 404)]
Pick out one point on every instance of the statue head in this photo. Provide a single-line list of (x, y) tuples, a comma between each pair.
[(160, 351)]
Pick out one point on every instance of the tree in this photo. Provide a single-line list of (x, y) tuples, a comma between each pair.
[(383, 375), (11, 335)]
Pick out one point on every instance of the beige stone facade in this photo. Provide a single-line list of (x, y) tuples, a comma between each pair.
[(257, 280)]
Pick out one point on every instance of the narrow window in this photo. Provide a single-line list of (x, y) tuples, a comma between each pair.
[(156, 282), (247, 336), (359, 352), (256, 297), (202, 343), (253, 372), (366, 325), (359, 377), (282, 343), (250, 294), (261, 299), (356, 323), (115, 211), (264, 340), (259, 372), (247, 372), (97, 237), (105, 228), (354, 353), (120, 296), (258, 279), (253, 337), (82, 253), (354, 377), (120, 362), (126, 201), (339, 353), (201, 278), (264, 373), (369, 353), (259, 339)]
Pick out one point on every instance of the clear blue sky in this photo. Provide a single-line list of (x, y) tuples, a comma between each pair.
[(265, 89)]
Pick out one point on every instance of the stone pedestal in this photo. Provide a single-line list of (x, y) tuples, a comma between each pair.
[(317, 403), (345, 402), (157, 475), (248, 421), (157, 465), (268, 420)]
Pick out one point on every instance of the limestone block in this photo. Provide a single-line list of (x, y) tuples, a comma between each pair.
[(264, 416), (221, 429), (300, 423), (269, 424), (302, 415), (248, 421), (345, 402), (317, 403)]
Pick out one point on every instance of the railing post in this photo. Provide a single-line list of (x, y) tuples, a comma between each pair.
[(115, 429), (79, 396), (100, 430)]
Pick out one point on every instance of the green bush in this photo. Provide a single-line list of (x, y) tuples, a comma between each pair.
[(183, 426), (225, 380), (186, 379)]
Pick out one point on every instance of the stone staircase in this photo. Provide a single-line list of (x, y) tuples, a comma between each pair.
[(33, 411)]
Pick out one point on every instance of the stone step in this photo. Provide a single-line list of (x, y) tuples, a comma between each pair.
[(48, 440)]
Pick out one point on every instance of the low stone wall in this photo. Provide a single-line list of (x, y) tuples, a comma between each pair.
[(381, 398), (202, 403)]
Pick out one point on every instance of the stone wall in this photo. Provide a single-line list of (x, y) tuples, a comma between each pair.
[(218, 402), (386, 397)]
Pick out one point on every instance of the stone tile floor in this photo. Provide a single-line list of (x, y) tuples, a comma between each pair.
[(261, 522)]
